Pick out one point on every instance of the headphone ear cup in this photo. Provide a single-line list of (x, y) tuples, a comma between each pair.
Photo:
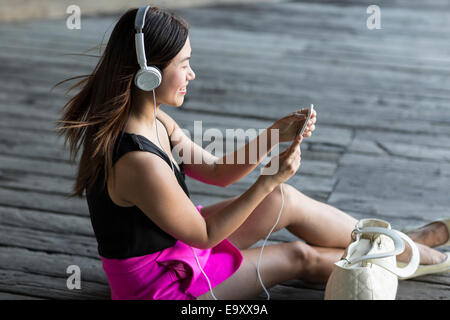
[(148, 79)]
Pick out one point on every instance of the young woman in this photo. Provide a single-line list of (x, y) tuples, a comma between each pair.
[(153, 241)]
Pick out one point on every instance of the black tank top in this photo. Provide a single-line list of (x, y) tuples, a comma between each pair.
[(125, 232)]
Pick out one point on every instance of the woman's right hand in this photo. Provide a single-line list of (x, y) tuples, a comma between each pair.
[(288, 164)]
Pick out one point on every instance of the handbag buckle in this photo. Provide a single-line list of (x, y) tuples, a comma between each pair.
[(357, 231)]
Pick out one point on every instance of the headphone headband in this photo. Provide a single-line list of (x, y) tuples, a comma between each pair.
[(148, 77), (140, 18)]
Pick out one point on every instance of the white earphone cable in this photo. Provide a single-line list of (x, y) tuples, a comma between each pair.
[(157, 135), (207, 279), (264, 243), (156, 124)]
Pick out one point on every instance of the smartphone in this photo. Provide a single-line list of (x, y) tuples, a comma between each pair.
[(310, 111)]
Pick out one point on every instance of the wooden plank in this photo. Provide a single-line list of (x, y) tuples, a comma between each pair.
[(303, 26), (437, 5), (330, 135), (309, 18), (415, 184), (32, 196), (28, 149), (384, 185), (50, 287), (411, 290), (206, 123), (281, 292), (330, 118), (391, 191), (295, 73), (42, 202), (11, 296), (335, 118), (389, 124), (412, 147), (40, 183), (203, 91), (247, 54), (386, 137), (51, 264), (16, 163), (265, 12), (49, 242), (418, 110), (372, 120), (306, 177), (54, 222), (397, 164), (11, 121), (33, 236), (52, 202), (398, 212)]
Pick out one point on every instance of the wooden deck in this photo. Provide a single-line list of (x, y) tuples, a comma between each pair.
[(381, 147)]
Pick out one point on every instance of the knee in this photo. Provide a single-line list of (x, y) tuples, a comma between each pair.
[(316, 267), (304, 257), (284, 192)]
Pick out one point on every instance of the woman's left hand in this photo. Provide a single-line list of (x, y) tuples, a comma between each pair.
[(292, 123)]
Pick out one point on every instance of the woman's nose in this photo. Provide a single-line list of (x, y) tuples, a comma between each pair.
[(191, 75)]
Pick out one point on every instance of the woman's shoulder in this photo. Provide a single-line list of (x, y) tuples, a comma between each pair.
[(138, 161), (136, 170)]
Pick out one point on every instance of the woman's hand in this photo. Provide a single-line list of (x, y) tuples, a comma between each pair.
[(289, 125), (286, 164)]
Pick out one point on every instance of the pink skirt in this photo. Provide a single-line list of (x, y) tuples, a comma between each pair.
[(173, 273)]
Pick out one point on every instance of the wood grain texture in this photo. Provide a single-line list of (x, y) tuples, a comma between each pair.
[(380, 149)]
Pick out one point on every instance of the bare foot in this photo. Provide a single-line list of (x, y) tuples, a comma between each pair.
[(427, 255), (432, 235)]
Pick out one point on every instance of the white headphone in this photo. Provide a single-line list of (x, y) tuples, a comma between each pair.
[(147, 78)]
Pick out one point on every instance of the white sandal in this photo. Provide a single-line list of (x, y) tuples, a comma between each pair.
[(445, 221), (425, 269)]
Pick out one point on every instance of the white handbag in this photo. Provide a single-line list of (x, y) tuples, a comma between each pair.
[(369, 271)]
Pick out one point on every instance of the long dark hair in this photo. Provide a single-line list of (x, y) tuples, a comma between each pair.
[(94, 117)]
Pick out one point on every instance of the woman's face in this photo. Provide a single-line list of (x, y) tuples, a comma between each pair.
[(175, 78)]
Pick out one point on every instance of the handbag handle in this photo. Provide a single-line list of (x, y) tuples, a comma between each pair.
[(399, 247)]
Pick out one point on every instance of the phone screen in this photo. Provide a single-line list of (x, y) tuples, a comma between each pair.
[(310, 111)]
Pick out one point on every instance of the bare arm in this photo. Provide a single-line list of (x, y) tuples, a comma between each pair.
[(211, 169), (203, 170), (228, 173), (148, 182), (224, 222)]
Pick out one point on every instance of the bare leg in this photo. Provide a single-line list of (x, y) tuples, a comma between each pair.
[(280, 262), (315, 268), (316, 222), (325, 229), (321, 224)]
